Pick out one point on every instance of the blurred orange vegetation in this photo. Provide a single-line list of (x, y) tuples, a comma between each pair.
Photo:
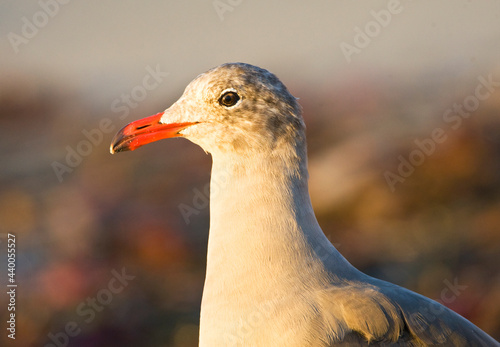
[(440, 226)]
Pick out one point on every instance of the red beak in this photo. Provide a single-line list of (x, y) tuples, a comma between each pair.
[(144, 131)]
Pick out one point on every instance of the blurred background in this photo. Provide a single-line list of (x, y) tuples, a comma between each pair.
[(402, 104)]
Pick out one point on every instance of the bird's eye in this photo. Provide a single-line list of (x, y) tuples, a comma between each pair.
[(229, 99)]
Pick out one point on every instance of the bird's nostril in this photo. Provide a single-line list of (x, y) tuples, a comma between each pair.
[(143, 126)]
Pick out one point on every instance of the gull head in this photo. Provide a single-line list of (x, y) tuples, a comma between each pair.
[(232, 108)]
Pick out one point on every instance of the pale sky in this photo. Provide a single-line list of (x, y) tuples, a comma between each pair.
[(106, 46)]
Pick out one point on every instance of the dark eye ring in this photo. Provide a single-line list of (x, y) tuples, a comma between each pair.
[(229, 98)]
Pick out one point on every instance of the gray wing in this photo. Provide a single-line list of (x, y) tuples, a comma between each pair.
[(383, 314)]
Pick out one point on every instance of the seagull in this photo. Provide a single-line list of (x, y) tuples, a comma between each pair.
[(272, 276)]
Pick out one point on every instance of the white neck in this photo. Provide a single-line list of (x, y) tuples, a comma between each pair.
[(261, 218)]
